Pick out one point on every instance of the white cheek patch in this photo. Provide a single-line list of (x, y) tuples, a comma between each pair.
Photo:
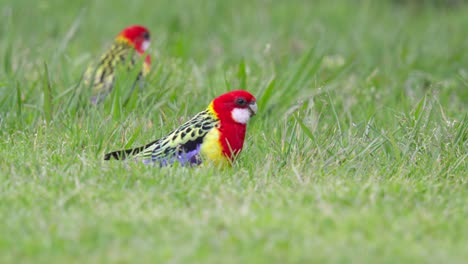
[(145, 45), (240, 115)]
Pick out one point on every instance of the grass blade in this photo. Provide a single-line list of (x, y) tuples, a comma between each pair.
[(19, 102), (242, 75), (267, 93), (48, 97)]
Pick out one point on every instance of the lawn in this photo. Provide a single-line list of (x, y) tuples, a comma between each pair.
[(358, 153)]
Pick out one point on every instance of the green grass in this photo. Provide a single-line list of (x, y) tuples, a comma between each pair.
[(358, 153)]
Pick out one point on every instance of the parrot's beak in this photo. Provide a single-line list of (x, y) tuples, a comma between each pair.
[(253, 108)]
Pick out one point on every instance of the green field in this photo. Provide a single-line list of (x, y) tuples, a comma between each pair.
[(358, 153)]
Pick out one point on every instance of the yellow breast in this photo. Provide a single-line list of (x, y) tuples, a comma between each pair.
[(211, 149)]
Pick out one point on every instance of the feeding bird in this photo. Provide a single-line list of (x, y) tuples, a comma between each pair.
[(126, 50), (215, 135)]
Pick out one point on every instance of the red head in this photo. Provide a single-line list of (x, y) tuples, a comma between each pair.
[(137, 36), (236, 106), (234, 110)]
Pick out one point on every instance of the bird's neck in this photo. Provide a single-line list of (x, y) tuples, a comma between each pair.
[(123, 41), (231, 138), (231, 133)]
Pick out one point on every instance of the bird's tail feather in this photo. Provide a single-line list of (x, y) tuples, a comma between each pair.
[(123, 154)]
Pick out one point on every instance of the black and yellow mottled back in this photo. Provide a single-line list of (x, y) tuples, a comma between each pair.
[(101, 76), (185, 139)]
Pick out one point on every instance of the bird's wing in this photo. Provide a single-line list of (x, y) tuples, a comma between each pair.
[(182, 145), (102, 75)]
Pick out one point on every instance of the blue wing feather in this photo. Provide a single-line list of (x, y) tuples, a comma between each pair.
[(183, 158)]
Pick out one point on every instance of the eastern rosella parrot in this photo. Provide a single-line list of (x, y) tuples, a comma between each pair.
[(215, 135), (127, 48)]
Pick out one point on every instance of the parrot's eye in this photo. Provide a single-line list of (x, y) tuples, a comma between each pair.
[(146, 35), (241, 101)]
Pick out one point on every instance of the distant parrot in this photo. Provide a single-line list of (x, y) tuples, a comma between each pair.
[(215, 135), (127, 48)]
